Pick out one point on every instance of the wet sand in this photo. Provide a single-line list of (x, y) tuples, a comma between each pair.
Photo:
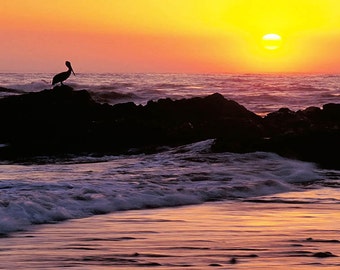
[(287, 231)]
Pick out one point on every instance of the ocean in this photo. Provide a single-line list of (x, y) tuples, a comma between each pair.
[(183, 207), (259, 93)]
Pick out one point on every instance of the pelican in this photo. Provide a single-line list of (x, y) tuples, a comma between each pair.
[(63, 75)]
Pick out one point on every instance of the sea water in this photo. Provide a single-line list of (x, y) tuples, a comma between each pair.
[(50, 190), (191, 174), (259, 93)]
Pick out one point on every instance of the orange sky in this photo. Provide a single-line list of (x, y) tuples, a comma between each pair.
[(193, 36)]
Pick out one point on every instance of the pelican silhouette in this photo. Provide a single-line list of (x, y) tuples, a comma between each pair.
[(63, 75)]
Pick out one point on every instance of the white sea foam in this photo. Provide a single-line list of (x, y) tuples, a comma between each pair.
[(184, 175)]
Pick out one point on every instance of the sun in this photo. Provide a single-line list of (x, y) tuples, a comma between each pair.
[(271, 41)]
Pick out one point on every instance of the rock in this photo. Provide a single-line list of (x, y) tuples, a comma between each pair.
[(312, 112), (63, 121), (319, 147), (310, 239), (45, 122), (326, 254), (310, 135), (331, 111), (233, 261), (285, 121)]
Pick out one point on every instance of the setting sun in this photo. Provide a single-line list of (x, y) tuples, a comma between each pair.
[(271, 41)]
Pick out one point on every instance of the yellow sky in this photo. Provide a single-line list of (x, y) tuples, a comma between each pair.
[(169, 36)]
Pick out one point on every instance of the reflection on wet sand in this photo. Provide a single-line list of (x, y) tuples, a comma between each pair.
[(278, 232)]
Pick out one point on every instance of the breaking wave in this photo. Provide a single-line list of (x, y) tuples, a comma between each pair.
[(190, 174)]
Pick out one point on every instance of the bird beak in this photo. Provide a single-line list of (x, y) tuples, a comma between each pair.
[(73, 72)]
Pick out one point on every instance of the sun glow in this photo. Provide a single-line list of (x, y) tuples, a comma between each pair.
[(271, 41), (171, 36)]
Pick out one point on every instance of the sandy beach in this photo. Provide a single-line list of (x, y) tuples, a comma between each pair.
[(277, 232)]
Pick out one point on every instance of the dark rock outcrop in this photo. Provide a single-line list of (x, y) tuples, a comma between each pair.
[(311, 135), (58, 121), (62, 121)]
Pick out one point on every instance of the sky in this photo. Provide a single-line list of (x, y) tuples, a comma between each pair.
[(177, 36)]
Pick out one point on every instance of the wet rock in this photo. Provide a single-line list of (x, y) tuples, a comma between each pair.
[(310, 135), (63, 121), (215, 264), (59, 121), (233, 261), (332, 111), (310, 239), (253, 256), (324, 254)]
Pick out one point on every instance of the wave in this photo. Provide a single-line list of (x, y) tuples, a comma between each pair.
[(31, 87), (190, 174), (112, 96), (9, 92), (169, 85), (103, 86)]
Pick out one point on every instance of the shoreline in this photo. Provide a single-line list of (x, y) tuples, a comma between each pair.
[(284, 231)]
